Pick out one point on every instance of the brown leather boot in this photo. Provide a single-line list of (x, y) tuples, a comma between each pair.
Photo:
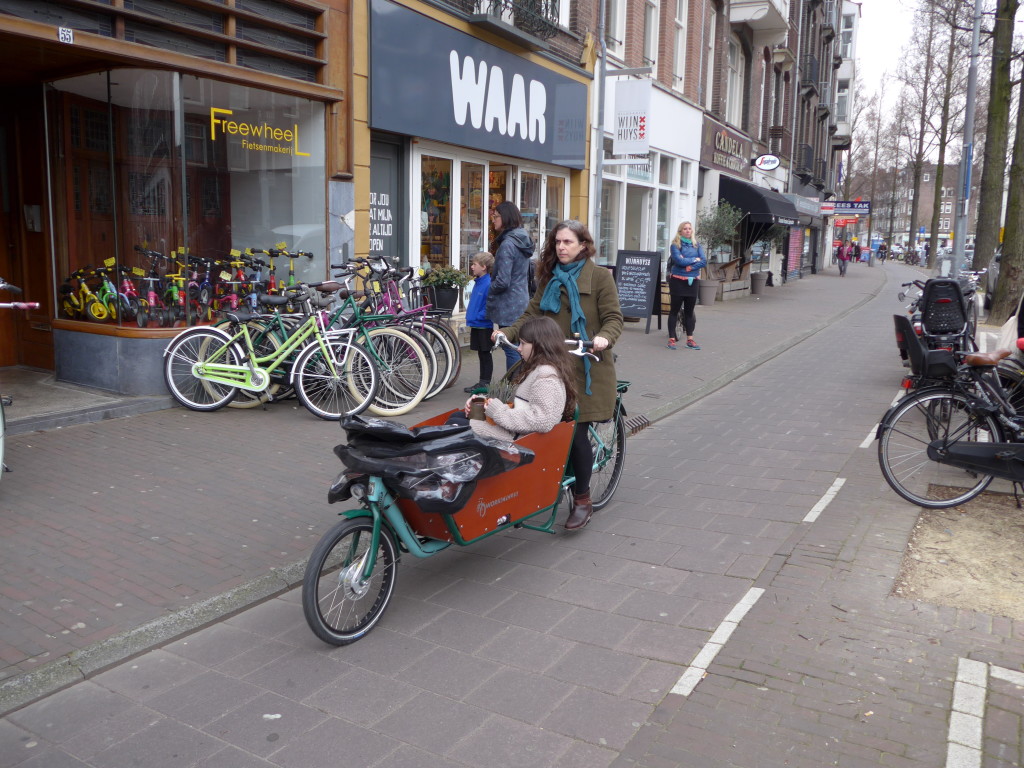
[(582, 509)]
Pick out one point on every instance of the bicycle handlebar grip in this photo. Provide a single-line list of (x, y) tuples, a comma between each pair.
[(8, 287), (26, 305)]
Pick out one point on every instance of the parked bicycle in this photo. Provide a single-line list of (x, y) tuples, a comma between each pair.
[(6, 400), (204, 367), (423, 489), (944, 444)]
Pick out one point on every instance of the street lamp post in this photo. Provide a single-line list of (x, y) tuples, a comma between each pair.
[(967, 157)]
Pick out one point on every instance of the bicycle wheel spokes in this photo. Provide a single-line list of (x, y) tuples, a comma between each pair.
[(341, 605), (404, 372), (188, 350), (608, 439), (340, 382), (903, 449)]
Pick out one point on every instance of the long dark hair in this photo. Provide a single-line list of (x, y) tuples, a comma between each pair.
[(549, 256), (549, 349), (511, 218)]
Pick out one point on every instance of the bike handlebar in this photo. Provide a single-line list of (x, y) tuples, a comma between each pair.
[(20, 305), (580, 347)]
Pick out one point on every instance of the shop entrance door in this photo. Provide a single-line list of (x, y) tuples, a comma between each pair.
[(8, 334)]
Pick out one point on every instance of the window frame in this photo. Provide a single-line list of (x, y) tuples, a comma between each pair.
[(615, 28), (735, 65), (652, 11), (679, 54)]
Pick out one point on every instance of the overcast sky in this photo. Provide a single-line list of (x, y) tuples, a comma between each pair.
[(884, 28)]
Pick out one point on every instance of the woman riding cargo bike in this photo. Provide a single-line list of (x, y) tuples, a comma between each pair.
[(439, 484)]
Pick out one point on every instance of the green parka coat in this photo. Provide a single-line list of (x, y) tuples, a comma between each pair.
[(599, 299)]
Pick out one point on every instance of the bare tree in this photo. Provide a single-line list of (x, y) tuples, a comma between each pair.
[(952, 17), (917, 73)]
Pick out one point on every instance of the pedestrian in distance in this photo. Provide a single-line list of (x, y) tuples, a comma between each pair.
[(686, 260), (479, 324), (582, 298), (844, 257), (512, 248)]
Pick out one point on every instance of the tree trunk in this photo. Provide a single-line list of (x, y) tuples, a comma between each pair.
[(1011, 265), (990, 201)]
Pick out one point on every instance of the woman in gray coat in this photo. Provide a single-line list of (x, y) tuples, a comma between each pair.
[(512, 248)]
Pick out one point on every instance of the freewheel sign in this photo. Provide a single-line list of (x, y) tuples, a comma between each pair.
[(846, 208)]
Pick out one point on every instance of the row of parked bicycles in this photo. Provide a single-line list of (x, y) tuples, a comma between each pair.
[(961, 424), (341, 351), (176, 290)]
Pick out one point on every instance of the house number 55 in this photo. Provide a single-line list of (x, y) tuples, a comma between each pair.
[(66, 35)]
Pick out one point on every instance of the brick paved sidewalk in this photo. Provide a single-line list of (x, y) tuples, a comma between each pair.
[(122, 534)]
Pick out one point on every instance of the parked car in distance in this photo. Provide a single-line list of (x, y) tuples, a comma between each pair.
[(992, 276)]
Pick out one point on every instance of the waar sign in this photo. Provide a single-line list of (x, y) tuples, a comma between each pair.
[(430, 81)]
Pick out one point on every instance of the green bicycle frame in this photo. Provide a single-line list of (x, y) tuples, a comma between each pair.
[(255, 374)]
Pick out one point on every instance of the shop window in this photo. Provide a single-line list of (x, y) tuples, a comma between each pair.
[(250, 175), (435, 213), (664, 231), (529, 204), (473, 207), (666, 166), (608, 238), (555, 209)]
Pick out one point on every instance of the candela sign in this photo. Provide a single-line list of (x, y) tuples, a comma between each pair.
[(260, 133)]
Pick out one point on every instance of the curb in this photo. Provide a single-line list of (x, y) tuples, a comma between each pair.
[(90, 415), (20, 690)]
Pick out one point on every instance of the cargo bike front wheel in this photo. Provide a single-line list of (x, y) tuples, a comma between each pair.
[(349, 581)]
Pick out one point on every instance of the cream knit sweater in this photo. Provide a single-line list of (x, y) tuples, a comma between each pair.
[(539, 403)]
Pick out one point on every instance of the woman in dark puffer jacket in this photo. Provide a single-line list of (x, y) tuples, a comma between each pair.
[(512, 249)]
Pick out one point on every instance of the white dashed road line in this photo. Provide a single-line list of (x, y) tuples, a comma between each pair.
[(824, 501), (699, 666)]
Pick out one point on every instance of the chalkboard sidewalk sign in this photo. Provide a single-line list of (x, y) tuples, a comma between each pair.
[(638, 278)]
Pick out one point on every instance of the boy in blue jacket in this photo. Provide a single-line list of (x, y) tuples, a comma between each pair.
[(479, 324)]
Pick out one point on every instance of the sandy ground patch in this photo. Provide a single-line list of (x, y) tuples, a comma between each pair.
[(970, 557)]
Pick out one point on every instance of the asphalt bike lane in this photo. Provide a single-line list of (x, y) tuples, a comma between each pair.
[(826, 667)]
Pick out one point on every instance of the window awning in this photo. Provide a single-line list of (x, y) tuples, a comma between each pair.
[(761, 205)]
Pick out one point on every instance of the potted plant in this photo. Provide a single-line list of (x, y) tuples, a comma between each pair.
[(716, 226), (446, 282)]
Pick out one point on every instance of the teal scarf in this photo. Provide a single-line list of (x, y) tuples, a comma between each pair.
[(687, 241), (567, 275)]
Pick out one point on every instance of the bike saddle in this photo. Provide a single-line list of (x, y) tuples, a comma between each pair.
[(980, 359), (272, 300)]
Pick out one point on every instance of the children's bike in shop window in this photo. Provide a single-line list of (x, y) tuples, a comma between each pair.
[(78, 300), (420, 490), (5, 400)]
